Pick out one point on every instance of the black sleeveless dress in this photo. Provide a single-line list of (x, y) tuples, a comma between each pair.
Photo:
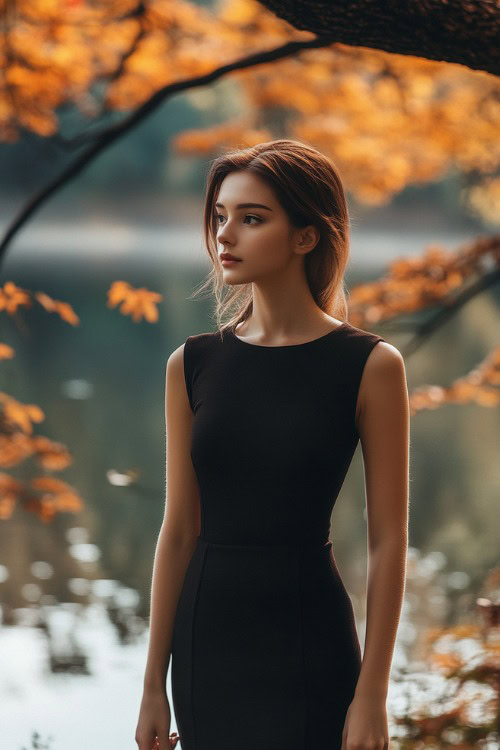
[(265, 652)]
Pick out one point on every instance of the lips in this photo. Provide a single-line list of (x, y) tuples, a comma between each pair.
[(228, 256)]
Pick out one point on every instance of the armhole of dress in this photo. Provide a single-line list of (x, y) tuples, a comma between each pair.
[(188, 371), (372, 343)]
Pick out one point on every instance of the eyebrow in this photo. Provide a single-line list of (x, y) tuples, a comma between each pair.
[(247, 205)]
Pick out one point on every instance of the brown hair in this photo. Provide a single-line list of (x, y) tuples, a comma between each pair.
[(308, 186)]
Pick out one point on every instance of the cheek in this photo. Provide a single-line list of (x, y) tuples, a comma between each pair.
[(270, 246)]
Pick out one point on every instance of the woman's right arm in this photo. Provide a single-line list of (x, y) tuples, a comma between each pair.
[(175, 546)]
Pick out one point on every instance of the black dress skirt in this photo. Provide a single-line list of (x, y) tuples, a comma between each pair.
[(265, 652)]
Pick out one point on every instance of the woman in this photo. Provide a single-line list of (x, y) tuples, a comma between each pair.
[(263, 417)]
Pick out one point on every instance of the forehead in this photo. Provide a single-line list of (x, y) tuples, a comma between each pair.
[(243, 187)]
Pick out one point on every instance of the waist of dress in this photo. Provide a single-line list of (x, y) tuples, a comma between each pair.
[(292, 544)]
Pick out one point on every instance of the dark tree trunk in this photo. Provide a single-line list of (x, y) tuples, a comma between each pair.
[(455, 31)]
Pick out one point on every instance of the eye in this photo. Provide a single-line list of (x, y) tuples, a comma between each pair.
[(247, 216)]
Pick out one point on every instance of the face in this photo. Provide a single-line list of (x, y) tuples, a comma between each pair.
[(261, 236)]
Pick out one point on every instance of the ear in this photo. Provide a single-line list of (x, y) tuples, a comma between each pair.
[(307, 239)]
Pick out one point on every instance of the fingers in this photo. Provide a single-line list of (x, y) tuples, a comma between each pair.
[(161, 741), (165, 744)]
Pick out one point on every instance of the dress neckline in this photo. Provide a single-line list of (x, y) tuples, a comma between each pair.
[(290, 346)]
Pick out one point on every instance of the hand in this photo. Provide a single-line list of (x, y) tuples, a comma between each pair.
[(153, 725), (366, 726), (173, 738)]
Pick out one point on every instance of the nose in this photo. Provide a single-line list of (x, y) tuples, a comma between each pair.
[(223, 234), (222, 238)]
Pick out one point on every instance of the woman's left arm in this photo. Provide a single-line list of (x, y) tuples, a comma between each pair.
[(383, 421)]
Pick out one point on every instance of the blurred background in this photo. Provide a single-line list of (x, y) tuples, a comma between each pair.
[(82, 476)]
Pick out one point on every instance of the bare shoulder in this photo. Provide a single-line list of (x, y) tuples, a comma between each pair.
[(175, 385), (383, 382), (384, 360), (175, 360), (384, 370), (175, 366)]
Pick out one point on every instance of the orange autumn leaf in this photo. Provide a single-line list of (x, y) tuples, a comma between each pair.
[(10, 489), (12, 297), (21, 415), (56, 496), (68, 502), (139, 303), (62, 496), (7, 504), (64, 309), (8, 483), (51, 455), (49, 484), (14, 448), (6, 351), (479, 386), (46, 506)]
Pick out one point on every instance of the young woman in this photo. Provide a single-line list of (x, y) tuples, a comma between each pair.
[(263, 417)]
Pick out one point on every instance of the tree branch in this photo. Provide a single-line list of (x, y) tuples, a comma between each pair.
[(454, 31), (107, 136), (427, 328)]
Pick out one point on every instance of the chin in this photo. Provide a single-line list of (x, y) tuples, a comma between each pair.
[(230, 277)]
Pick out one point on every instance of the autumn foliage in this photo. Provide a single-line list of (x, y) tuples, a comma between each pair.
[(463, 662), (45, 495), (388, 120)]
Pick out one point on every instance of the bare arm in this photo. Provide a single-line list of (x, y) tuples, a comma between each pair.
[(383, 424), (180, 527)]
